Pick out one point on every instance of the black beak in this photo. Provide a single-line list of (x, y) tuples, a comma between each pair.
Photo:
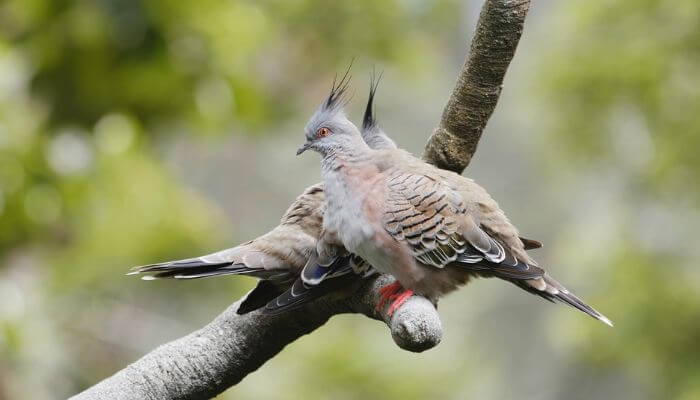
[(303, 148)]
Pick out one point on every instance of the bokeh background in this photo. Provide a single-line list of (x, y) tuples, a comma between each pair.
[(135, 132)]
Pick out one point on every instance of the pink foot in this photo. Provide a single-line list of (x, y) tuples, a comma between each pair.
[(386, 293), (399, 300)]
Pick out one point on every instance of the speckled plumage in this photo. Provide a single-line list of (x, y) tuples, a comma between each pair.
[(433, 230), (278, 256)]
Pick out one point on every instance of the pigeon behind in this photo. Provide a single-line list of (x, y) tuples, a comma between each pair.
[(433, 230)]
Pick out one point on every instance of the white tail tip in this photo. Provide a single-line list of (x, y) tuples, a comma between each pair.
[(606, 321), (148, 278)]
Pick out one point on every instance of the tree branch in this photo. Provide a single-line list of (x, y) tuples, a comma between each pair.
[(454, 141), (210, 360)]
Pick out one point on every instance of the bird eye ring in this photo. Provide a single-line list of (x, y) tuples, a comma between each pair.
[(322, 132)]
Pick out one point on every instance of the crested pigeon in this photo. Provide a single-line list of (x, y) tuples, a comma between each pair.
[(277, 257), (432, 229)]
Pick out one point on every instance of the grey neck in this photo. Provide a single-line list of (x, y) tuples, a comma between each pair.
[(347, 152), (377, 139)]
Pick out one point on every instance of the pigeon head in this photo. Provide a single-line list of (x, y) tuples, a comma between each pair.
[(329, 129)]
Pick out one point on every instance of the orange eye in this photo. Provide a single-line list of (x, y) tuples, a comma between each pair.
[(323, 132)]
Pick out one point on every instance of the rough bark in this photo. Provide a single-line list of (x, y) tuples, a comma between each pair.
[(454, 141), (210, 360)]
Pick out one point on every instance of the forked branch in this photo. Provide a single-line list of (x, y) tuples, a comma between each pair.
[(454, 141)]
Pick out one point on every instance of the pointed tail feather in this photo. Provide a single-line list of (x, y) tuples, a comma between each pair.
[(193, 268), (187, 268), (300, 294), (315, 281), (551, 290), (294, 297), (263, 293)]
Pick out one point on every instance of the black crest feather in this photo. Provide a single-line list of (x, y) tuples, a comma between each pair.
[(368, 121), (337, 97)]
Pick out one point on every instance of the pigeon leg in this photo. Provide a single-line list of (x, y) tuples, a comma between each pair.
[(387, 293), (399, 299)]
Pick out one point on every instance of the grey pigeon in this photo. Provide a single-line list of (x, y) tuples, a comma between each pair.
[(432, 229), (277, 257)]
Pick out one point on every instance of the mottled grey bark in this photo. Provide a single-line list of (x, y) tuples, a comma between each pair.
[(454, 141), (210, 360)]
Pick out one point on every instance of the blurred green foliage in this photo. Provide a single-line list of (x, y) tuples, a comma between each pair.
[(91, 94), (623, 99), (626, 89), (120, 71)]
